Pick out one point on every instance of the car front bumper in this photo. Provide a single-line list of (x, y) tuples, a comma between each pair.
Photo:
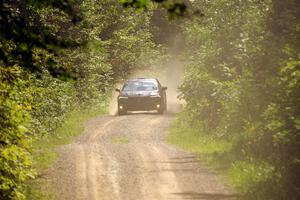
[(139, 103)]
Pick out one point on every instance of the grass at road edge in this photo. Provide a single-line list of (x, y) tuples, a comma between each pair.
[(242, 174), (120, 140), (206, 147), (192, 140), (44, 149)]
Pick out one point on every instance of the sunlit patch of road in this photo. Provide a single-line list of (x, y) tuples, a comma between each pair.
[(144, 167)]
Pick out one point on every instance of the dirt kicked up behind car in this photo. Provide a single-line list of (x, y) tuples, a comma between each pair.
[(142, 94)]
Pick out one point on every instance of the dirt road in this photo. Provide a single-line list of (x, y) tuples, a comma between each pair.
[(126, 158)]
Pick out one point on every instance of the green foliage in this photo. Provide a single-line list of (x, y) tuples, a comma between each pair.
[(243, 86), (191, 139), (15, 139), (71, 126), (174, 8), (23, 30), (44, 148), (56, 57), (246, 176)]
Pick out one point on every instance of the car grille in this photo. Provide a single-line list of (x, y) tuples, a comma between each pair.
[(138, 100)]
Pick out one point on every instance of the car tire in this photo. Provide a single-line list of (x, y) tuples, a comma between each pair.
[(121, 112), (160, 111)]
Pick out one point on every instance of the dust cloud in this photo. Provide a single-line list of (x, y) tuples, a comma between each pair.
[(172, 76), (169, 74)]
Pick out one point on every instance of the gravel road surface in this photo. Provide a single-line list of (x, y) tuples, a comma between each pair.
[(127, 158)]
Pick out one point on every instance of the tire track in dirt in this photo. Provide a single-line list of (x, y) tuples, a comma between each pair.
[(144, 167)]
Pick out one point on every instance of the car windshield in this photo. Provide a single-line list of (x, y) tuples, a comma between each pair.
[(139, 86)]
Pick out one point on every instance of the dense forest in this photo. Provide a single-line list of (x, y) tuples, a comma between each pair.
[(243, 86), (242, 83), (57, 56)]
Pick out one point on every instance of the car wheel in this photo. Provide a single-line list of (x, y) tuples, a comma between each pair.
[(160, 111), (122, 112)]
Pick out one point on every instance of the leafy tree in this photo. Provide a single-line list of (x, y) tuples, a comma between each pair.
[(55, 56), (243, 86), (174, 8), (23, 31), (27, 44)]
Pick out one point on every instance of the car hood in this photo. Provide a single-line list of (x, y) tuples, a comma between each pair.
[(137, 93)]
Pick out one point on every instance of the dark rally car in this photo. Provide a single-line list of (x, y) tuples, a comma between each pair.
[(142, 94)]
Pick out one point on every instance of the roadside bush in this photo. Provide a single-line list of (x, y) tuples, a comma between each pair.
[(243, 84), (15, 138), (56, 56)]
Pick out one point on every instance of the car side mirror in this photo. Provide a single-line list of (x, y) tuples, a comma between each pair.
[(118, 90), (164, 88)]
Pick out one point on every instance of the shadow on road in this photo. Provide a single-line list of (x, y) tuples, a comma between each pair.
[(207, 196), (149, 113)]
